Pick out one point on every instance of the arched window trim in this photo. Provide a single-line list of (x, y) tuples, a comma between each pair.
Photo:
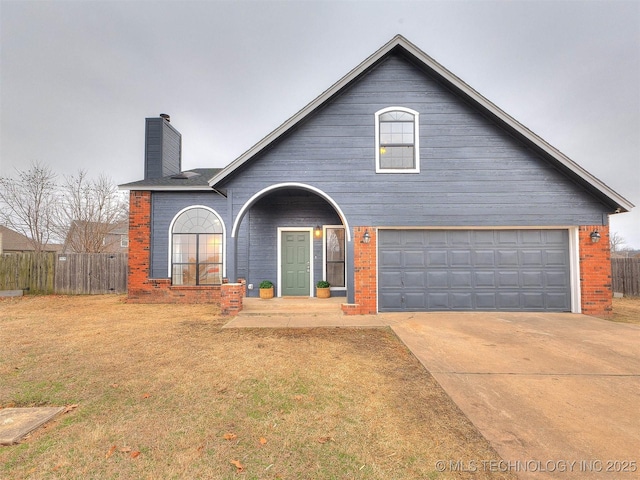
[(416, 140), (224, 238)]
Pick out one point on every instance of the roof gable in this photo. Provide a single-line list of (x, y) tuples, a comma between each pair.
[(400, 45)]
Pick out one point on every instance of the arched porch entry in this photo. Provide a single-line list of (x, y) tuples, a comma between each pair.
[(292, 234)]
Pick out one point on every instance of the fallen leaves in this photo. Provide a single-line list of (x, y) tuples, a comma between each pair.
[(230, 436), (238, 465), (111, 450), (123, 450), (69, 408), (263, 441)]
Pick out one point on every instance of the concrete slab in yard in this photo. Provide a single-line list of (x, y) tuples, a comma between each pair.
[(11, 293), (15, 423)]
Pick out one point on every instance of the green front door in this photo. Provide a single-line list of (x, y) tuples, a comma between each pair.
[(295, 263)]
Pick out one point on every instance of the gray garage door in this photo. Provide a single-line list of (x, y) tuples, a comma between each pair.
[(526, 270)]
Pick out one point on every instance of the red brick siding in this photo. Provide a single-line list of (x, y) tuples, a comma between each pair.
[(595, 271), (365, 275), (143, 289), (231, 295)]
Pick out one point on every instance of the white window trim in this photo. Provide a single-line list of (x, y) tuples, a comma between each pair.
[(224, 238), (416, 142), (324, 256)]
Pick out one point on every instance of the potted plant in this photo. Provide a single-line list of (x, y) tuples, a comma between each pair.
[(322, 289), (266, 289)]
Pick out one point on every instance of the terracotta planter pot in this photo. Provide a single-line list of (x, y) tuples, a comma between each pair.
[(323, 292), (266, 293)]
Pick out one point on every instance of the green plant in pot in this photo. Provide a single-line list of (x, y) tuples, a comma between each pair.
[(322, 289), (266, 289)]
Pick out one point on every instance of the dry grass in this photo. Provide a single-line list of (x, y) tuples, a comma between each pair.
[(166, 381), (626, 310)]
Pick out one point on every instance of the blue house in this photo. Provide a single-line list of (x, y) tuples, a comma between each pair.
[(400, 185)]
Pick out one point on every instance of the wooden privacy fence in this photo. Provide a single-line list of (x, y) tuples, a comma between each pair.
[(87, 273), (28, 271), (70, 273), (625, 276)]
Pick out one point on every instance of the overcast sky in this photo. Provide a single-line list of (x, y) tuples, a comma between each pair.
[(77, 79)]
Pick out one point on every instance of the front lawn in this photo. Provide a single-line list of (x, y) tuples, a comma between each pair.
[(163, 392)]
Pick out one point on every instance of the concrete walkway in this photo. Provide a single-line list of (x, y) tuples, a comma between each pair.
[(557, 395)]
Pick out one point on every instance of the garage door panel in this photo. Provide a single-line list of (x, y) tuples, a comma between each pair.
[(555, 237), (485, 279), (437, 258), (415, 279), (507, 237), (531, 237), (461, 301), (460, 258), (414, 259), (485, 258), (533, 279), (533, 301), (556, 300), (507, 258), (486, 301), (438, 301), (474, 269), (508, 300), (459, 237), (556, 279), (391, 300), (416, 301), (508, 279), (438, 279), (530, 258), (556, 258), (391, 279), (391, 258), (461, 279)]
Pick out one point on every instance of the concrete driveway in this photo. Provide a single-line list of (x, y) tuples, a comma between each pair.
[(557, 395)]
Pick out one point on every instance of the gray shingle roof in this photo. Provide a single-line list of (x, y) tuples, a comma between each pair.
[(194, 179)]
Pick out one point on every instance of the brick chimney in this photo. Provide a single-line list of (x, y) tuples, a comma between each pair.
[(163, 148)]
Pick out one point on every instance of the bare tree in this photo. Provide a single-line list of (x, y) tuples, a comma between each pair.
[(616, 241), (27, 204), (89, 213)]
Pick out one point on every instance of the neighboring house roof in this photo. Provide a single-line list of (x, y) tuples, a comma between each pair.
[(195, 179), (83, 235), (402, 46), (13, 241)]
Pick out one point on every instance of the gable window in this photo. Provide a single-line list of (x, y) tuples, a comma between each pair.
[(197, 239), (397, 149), (334, 255)]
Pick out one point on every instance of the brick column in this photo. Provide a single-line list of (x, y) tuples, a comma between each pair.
[(231, 298), (595, 271), (139, 238), (364, 273)]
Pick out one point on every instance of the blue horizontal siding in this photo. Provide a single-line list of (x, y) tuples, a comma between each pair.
[(472, 171)]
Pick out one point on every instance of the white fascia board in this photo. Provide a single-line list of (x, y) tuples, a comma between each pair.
[(399, 40), (156, 188)]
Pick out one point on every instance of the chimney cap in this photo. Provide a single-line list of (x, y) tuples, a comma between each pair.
[(166, 117)]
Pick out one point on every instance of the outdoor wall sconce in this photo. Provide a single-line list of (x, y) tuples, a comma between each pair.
[(366, 238), (318, 231), (595, 236)]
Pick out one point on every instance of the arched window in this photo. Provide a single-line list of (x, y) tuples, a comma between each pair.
[(197, 239), (397, 133)]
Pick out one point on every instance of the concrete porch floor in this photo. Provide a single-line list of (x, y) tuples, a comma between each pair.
[(291, 312)]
